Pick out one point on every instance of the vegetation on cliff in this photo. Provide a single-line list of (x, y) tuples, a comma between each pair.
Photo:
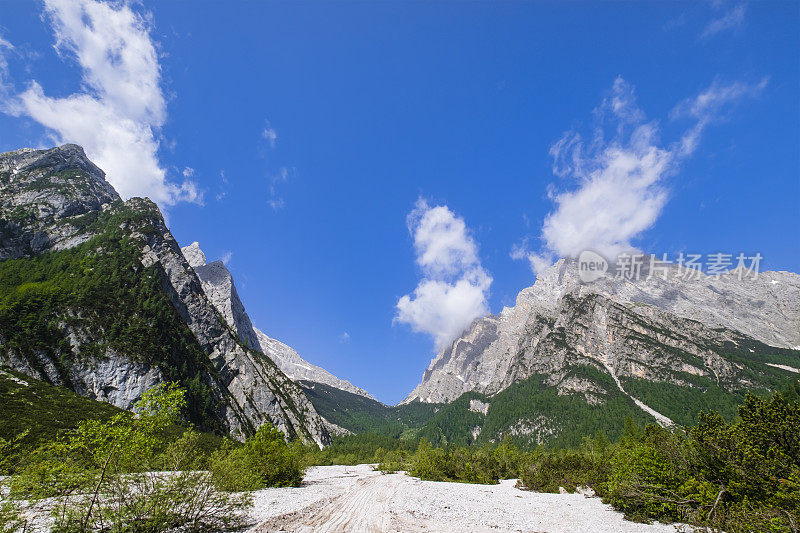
[(96, 298)]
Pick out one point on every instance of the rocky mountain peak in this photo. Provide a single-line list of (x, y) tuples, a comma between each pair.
[(221, 291), (41, 192), (694, 314), (66, 157), (194, 255)]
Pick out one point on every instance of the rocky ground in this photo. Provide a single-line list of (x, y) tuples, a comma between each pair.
[(356, 498)]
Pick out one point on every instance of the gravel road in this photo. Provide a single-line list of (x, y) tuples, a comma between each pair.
[(357, 499)]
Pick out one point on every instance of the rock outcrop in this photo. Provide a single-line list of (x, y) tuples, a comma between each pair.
[(41, 188), (55, 200)]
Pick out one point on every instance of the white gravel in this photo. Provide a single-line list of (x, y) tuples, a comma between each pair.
[(358, 499)]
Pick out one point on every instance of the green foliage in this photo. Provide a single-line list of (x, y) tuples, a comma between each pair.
[(792, 391), (357, 449), (558, 421), (264, 460), (737, 476), (552, 470), (647, 474), (391, 461), (118, 475), (101, 290), (359, 414), (754, 355), (35, 412), (682, 404), (470, 464), (453, 424)]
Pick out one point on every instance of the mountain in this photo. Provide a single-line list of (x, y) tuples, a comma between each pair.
[(669, 345), (219, 287), (96, 296), (355, 413)]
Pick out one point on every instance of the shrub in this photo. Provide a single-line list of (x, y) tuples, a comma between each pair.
[(392, 461), (429, 463), (739, 476), (105, 475), (462, 464), (508, 459), (550, 471), (650, 477), (264, 460)]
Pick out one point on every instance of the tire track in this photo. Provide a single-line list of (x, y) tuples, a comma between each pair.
[(366, 507)]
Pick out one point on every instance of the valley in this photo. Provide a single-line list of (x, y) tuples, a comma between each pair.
[(100, 309)]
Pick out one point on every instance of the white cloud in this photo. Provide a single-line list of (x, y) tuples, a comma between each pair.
[(223, 188), (344, 337), (226, 257), (120, 109), (276, 202), (620, 174), (188, 172), (729, 21), (4, 89), (270, 135), (709, 105), (454, 286)]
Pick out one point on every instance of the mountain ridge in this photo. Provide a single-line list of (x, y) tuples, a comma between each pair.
[(69, 246), (220, 287), (548, 329)]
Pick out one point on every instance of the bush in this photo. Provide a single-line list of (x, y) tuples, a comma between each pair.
[(429, 463), (356, 449), (462, 464), (551, 471), (106, 475), (264, 460), (739, 476), (392, 461), (650, 477), (508, 459)]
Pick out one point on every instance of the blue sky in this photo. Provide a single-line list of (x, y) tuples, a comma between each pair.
[(327, 150)]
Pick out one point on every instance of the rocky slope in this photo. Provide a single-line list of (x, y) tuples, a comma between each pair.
[(40, 189), (219, 287), (97, 296), (672, 332)]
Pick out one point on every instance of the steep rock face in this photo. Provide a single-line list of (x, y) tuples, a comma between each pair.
[(655, 329), (42, 188), (221, 291), (219, 287), (56, 200)]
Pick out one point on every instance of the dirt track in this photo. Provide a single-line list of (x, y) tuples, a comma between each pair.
[(357, 499)]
